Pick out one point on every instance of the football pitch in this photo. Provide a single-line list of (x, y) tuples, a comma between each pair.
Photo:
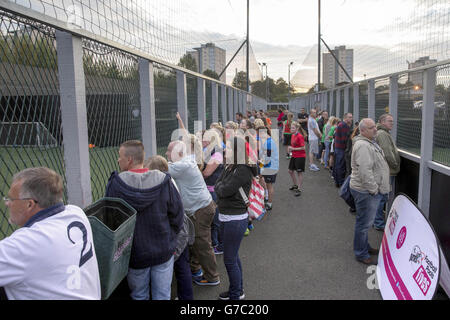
[(103, 161)]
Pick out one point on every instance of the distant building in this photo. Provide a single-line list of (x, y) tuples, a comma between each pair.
[(332, 73), (416, 78), (208, 56)]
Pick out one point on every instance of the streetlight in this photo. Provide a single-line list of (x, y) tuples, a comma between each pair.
[(289, 79), (263, 64)]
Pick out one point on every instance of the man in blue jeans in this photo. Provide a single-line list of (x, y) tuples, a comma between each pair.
[(341, 135), (369, 183)]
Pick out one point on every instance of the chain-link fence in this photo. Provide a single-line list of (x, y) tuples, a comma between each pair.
[(409, 123), (165, 106), (441, 139), (113, 108), (30, 117), (31, 122), (381, 97)]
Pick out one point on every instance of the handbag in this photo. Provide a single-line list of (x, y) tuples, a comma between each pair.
[(255, 200), (344, 193)]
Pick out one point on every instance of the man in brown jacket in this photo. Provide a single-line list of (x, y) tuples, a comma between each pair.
[(385, 141)]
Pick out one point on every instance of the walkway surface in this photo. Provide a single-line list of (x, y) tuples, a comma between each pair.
[(303, 249)]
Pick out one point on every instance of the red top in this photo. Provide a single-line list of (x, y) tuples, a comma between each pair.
[(280, 117), (298, 141)]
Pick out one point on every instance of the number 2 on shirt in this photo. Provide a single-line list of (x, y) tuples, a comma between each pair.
[(89, 254)]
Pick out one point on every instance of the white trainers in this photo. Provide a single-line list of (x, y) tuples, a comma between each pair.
[(313, 167)]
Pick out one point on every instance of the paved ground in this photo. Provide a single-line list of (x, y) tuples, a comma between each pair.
[(303, 248)]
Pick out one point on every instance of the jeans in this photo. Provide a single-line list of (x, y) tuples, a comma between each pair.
[(160, 278), (182, 269), (233, 233), (339, 166), (327, 153), (366, 208), (216, 234), (379, 218)]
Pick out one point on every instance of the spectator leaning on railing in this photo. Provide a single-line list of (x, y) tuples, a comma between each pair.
[(385, 141), (159, 219), (52, 255)]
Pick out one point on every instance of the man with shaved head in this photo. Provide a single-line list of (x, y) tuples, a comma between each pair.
[(158, 221), (369, 182)]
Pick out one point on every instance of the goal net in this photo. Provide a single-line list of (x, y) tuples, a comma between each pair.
[(30, 134)]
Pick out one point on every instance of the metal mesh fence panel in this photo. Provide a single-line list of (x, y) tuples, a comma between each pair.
[(381, 98), (410, 101), (165, 106), (441, 140), (113, 108), (30, 116), (363, 101), (208, 104), (192, 102)]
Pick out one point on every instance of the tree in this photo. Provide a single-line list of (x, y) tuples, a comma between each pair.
[(321, 88), (240, 80), (188, 62), (210, 73)]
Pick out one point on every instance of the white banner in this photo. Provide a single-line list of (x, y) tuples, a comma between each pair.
[(409, 260)]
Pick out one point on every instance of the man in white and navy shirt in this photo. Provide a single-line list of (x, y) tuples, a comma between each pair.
[(51, 255)]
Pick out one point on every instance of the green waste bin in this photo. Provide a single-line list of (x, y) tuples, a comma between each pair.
[(112, 221)]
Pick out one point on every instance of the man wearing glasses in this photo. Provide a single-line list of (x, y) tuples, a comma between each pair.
[(51, 255)]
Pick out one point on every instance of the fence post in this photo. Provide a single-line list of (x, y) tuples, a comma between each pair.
[(356, 102), (393, 104), (338, 103), (371, 100), (332, 102), (148, 117), (230, 104), (201, 104), (182, 98), (74, 118), (223, 103), (346, 99), (426, 146), (215, 101), (236, 103)]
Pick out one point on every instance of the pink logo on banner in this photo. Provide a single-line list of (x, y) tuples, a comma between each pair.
[(401, 238), (422, 280)]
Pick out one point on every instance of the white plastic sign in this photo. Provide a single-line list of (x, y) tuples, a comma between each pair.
[(409, 260)]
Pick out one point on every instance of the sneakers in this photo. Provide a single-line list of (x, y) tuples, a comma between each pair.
[(313, 167), (268, 207), (247, 232), (204, 282), (294, 187), (217, 250), (297, 193), (251, 227), (197, 275), (226, 295)]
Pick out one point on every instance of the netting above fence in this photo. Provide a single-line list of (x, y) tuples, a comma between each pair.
[(164, 29)]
